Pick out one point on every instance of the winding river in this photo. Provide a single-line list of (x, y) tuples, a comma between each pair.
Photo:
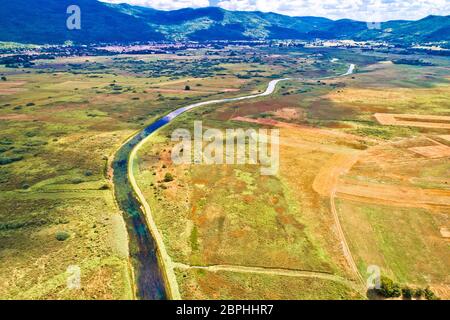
[(150, 276)]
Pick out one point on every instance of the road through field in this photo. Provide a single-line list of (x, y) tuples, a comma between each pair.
[(148, 237), (269, 271), (345, 247)]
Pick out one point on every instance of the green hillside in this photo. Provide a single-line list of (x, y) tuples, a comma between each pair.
[(44, 21)]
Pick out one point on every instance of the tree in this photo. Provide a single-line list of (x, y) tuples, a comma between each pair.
[(389, 289), (187, 88), (168, 177), (4, 79)]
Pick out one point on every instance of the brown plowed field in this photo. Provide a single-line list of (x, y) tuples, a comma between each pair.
[(327, 179), (433, 152), (412, 120), (392, 195)]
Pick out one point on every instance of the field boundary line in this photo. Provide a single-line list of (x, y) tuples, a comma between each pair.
[(345, 247), (267, 271)]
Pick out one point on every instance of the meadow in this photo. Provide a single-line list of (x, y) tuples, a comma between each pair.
[(220, 222)]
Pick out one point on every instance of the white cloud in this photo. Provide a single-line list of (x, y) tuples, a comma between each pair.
[(367, 10)]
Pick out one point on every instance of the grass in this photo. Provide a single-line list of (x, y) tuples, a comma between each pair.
[(228, 209), (404, 242), (200, 284), (39, 271), (232, 215), (383, 132)]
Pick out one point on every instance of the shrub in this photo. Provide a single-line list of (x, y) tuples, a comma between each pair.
[(407, 292), (30, 134), (418, 293), (77, 181), (35, 143), (62, 236), (168, 177), (396, 291), (6, 142), (4, 79), (88, 173), (429, 295), (8, 160), (4, 149), (187, 88), (104, 187)]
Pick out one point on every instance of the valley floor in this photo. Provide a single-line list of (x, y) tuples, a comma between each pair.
[(363, 178)]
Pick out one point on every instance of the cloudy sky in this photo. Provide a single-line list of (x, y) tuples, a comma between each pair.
[(365, 10)]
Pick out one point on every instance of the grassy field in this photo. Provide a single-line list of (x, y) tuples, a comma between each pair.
[(233, 216), (61, 122), (405, 242), (404, 239), (199, 284), (39, 260), (55, 145)]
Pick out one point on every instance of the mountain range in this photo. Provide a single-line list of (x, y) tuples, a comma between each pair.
[(44, 21)]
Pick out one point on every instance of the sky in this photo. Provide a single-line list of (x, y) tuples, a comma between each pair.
[(363, 10)]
